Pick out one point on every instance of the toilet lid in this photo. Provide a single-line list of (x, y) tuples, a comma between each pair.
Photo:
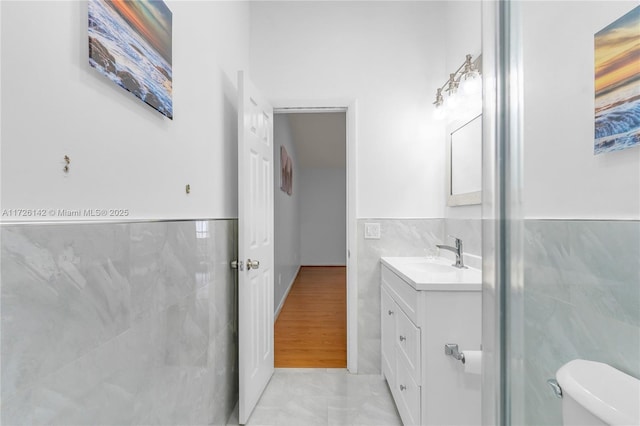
[(609, 394)]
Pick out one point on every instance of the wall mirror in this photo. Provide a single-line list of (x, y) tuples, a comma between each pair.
[(464, 164)]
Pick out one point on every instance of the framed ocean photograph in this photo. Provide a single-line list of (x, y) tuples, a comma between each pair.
[(617, 84), (130, 42)]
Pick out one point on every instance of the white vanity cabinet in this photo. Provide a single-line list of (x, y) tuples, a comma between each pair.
[(418, 317)]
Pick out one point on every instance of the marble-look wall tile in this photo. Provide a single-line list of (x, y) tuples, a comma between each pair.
[(546, 321), (546, 252), (62, 295), (582, 300), (162, 264), (399, 237), (223, 340), (164, 349), (605, 269)]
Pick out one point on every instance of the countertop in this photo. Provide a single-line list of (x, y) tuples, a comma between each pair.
[(435, 274)]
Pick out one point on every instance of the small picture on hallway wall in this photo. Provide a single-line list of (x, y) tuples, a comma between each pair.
[(617, 84), (286, 171), (130, 42)]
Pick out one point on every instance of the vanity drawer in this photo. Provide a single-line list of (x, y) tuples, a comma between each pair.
[(407, 340), (405, 296), (408, 395)]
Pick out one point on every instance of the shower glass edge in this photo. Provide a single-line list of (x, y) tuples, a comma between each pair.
[(502, 222)]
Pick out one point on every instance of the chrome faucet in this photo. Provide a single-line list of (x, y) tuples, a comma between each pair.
[(457, 250)]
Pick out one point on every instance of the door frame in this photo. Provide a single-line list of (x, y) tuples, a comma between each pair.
[(349, 107)]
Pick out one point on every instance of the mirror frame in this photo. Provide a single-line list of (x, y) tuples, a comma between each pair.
[(469, 198)]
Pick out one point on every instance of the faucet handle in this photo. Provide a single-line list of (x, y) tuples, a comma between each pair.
[(458, 242)]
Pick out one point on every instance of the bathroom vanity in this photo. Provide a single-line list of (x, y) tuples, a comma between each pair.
[(426, 304)]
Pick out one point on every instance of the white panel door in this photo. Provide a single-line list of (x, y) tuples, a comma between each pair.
[(255, 244)]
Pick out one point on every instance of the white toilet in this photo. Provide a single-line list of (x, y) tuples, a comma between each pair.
[(594, 393)]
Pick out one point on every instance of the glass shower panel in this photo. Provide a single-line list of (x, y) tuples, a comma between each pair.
[(565, 213)]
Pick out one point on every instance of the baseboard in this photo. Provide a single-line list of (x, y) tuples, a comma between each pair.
[(286, 294)]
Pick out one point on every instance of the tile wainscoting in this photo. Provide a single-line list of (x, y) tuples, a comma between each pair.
[(123, 323), (141, 315), (581, 300)]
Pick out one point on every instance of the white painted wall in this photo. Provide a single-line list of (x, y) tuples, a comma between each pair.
[(562, 177), (388, 56), (323, 213), (286, 214), (1, 79), (123, 153)]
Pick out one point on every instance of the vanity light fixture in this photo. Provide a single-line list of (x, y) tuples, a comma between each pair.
[(471, 80), (464, 83)]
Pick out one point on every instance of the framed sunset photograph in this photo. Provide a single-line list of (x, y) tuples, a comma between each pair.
[(617, 84), (130, 42)]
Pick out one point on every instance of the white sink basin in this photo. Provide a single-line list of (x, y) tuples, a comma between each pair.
[(434, 274)]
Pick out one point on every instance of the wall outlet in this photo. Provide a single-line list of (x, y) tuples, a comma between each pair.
[(371, 231)]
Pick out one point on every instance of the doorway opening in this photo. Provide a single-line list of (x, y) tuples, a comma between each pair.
[(311, 237), (311, 330)]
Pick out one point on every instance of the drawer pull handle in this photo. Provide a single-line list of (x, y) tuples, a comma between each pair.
[(390, 312), (402, 338), (402, 387)]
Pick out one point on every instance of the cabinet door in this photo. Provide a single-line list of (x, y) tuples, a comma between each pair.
[(388, 327), (408, 341), (408, 394)]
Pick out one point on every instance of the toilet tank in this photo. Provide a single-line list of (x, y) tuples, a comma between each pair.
[(594, 393)]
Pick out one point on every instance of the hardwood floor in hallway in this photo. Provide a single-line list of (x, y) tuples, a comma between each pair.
[(311, 330)]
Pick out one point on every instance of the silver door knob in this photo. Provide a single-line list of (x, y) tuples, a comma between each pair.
[(402, 387), (402, 338), (390, 312), (235, 264), (253, 264)]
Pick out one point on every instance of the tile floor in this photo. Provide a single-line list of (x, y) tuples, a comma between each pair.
[(312, 396)]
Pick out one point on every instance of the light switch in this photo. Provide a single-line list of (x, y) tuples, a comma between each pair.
[(371, 231)]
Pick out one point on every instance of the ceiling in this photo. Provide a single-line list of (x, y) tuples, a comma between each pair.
[(319, 139)]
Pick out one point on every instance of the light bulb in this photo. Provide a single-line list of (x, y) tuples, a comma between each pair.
[(471, 83), (451, 103), (439, 113)]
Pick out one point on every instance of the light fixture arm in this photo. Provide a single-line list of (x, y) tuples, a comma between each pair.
[(452, 77), (467, 68), (439, 98)]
